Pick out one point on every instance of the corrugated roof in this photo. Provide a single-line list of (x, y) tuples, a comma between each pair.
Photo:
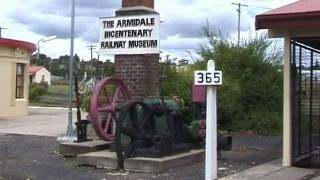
[(300, 14), (302, 6)]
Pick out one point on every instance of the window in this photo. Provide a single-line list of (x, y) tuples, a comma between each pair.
[(19, 80)]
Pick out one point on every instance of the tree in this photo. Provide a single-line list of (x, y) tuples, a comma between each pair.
[(174, 82), (251, 95), (43, 60)]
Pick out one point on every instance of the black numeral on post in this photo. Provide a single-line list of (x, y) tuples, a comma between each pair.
[(208, 77), (216, 77), (200, 80)]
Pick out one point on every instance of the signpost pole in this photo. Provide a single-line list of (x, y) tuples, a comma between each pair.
[(70, 130), (210, 78), (70, 134), (211, 129)]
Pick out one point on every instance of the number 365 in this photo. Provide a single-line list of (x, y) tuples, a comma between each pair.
[(208, 77)]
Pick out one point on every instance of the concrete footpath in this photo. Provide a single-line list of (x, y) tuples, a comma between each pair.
[(41, 121), (274, 171)]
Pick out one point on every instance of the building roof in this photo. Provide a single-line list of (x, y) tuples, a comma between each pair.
[(18, 44), (33, 69), (300, 14)]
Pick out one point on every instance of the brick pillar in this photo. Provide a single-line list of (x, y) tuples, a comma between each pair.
[(131, 3), (141, 71)]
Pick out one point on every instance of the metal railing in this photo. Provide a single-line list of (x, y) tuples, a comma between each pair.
[(305, 74)]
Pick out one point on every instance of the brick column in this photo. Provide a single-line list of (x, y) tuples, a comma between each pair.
[(131, 3), (141, 71)]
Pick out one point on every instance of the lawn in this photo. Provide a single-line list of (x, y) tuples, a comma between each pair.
[(57, 96), (58, 89)]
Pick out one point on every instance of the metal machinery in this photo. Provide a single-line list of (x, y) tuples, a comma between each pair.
[(152, 128), (109, 96)]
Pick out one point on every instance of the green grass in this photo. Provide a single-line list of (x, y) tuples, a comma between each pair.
[(58, 89), (57, 96)]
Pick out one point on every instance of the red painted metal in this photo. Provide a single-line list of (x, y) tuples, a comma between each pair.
[(301, 6), (198, 94), (18, 44), (109, 96), (300, 14)]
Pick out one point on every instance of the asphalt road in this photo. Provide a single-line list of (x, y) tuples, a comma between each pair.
[(25, 157)]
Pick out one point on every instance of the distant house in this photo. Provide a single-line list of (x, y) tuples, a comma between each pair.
[(39, 74), (183, 64)]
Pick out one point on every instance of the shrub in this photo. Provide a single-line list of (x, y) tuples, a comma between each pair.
[(250, 98), (85, 103), (176, 83), (59, 82), (36, 90)]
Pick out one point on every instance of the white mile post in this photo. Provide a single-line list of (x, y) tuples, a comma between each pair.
[(211, 129), (210, 78)]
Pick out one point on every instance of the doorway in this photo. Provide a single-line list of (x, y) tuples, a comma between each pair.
[(305, 73)]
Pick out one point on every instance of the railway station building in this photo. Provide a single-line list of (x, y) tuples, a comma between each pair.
[(14, 90), (298, 23)]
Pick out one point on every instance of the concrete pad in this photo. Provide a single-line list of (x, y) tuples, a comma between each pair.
[(156, 165), (271, 171), (257, 172), (291, 173), (108, 160), (74, 148), (315, 177), (41, 121), (101, 159)]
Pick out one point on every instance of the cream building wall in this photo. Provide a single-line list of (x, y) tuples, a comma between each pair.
[(9, 105), (43, 72)]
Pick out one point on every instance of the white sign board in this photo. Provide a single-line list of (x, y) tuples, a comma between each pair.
[(208, 78), (130, 35)]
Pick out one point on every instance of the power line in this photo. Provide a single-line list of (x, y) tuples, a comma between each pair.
[(91, 48), (98, 55), (261, 7), (239, 17), (250, 5)]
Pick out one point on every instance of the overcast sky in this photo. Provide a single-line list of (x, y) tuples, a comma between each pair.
[(31, 20)]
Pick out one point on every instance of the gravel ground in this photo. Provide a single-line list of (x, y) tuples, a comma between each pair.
[(36, 158)]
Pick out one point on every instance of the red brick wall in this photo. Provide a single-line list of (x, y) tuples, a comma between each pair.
[(140, 72), (130, 3)]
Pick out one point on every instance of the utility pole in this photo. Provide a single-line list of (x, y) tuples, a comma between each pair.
[(1, 28), (91, 48), (98, 66), (239, 17), (70, 134)]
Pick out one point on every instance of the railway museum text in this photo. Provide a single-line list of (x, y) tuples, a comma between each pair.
[(129, 34)]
